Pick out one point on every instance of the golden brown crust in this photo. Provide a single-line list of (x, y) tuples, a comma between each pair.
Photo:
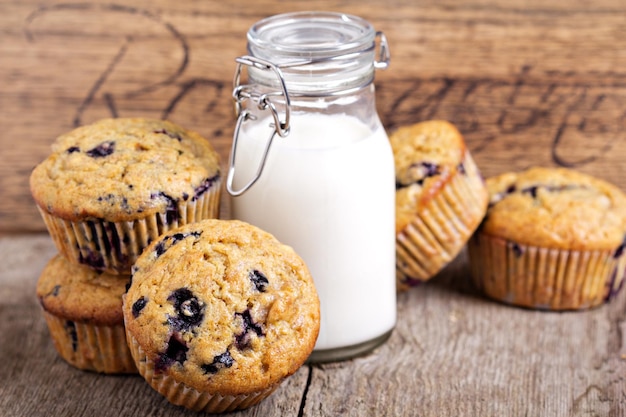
[(123, 169), (80, 294), (556, 208), (255, 315), (426, 155), (440, 198)]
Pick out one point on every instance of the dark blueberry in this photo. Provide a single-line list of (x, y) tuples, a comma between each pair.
[(221, 361), (517, 250), (189, 310), (242, 340), (72, 149), (419, 182), (431, 169), (194, 234), (176, 237), (124, 205), (110, 198), (176, 351), (170, 240), (461, 168), (427, 169), (105, 238), (170, 134), (138, 306), (102, 150), (205, 186), (620, 249), (93, 259), (412, 282), (185, 196), (259, 280), (159, 248), (171, 211), (531, 190), (70, 326), (55, 290)]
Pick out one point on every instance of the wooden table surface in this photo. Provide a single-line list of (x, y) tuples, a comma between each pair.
[(527, 82)]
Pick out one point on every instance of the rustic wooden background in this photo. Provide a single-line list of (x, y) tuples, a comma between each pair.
[(528, 82), (452, 354), (537, 82)]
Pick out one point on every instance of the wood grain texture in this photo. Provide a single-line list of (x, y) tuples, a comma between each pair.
[(452, 354), (527, 82)]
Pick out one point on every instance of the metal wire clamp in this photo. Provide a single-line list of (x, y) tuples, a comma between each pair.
[(263, 102)]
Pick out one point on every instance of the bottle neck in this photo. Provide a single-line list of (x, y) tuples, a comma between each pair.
[(321, 78), (359, 103), (317, 53)]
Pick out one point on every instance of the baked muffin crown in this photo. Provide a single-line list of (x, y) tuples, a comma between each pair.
[(78, 293), (426, 155), (222, 307), (556, 207), (122, 169)]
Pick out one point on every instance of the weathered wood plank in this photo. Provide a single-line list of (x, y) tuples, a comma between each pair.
[(452, 353), (538, 82), (527, 82)]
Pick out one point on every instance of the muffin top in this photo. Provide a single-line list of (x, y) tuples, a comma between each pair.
[(222, 306), (427, 155), (556, 208), (80, 294), (123, 169)]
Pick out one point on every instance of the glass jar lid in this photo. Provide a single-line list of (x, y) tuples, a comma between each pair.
[(322, 52)]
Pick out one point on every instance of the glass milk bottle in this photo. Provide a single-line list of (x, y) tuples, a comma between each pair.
[(311, 164)]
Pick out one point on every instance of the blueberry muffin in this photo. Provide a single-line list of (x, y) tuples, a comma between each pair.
[(440, 199), (218, 314), (111, 187), (83, 311), (552, 239)]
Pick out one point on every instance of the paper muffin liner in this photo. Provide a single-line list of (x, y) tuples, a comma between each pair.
[(442, 227), (181, 394), (113, 247), (544, 278), (89, 347)]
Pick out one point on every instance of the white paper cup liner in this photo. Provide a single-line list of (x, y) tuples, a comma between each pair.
[(181, 394), (543, 278), (441, 229), (89, 347), (113, 247)]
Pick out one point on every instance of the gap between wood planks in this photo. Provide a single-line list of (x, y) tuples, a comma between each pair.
[(309, 378)]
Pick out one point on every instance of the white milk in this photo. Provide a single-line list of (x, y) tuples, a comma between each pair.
[(328, 191)]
